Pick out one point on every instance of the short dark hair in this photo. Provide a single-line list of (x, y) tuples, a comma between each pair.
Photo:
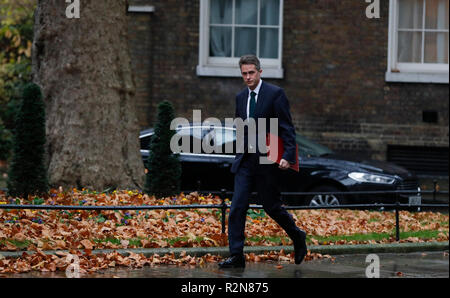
[(250, 59)]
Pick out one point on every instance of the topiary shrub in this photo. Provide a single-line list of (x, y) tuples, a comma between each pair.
[(27, 173), (164, 168)]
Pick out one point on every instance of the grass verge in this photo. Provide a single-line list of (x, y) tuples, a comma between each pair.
[(314, 239), (275, 240)]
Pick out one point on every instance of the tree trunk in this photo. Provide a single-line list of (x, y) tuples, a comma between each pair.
[(83, 67)]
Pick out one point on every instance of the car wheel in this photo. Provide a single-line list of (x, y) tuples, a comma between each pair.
[(321, 200)]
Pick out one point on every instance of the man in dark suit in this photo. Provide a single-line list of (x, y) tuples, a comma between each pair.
[(261, 100)]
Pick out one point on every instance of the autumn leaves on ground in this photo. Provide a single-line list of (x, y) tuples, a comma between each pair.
[(81, 231)]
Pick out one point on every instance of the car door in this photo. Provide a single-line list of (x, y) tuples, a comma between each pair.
[(292, 181), (224, 153), (194, 164)]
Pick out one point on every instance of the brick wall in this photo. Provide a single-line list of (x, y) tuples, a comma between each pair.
[(334, 60)]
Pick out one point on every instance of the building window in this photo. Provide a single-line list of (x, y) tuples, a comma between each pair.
[(418, 41), (232, 28)]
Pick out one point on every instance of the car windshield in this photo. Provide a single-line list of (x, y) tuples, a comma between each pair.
[(309, 148)]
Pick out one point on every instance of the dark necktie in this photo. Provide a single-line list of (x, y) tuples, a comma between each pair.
[(251, 112)]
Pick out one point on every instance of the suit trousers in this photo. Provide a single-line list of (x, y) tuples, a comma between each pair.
[(264, 179)]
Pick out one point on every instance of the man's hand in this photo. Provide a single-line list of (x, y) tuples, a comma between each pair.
[(284, 164)]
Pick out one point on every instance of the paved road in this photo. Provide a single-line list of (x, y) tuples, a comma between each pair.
[(403, 265)]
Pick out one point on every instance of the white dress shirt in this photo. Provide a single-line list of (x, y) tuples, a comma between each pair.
[(256, 96)]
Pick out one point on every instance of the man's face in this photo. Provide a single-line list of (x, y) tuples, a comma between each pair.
[(250, 75)]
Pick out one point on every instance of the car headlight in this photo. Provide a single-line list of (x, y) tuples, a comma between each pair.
[(370, 178)]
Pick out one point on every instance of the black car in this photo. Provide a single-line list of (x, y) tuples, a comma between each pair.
[(321, 171)]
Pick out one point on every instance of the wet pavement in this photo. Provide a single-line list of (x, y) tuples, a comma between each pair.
[(392, 265)]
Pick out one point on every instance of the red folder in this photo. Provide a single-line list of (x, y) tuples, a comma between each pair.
[(273, 142)]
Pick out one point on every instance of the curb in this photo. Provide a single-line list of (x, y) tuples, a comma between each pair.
[(223, 251)]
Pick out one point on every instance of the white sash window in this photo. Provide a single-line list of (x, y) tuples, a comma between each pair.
[(232, 28), (418, 41)]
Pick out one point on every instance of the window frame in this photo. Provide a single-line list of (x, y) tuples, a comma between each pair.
[(410, 72), (228, 67)]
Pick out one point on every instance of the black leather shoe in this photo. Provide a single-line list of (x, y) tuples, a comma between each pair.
[(300, 248), (237, 261)]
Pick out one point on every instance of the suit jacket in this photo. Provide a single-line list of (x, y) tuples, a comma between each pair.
[(272, 103)]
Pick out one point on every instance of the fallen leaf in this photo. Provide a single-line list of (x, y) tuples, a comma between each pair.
[(20, 237), (87, 244)]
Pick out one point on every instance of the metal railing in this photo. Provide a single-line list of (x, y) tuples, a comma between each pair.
[(397, 206)]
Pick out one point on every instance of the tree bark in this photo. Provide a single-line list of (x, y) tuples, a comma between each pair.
[(83, 67)]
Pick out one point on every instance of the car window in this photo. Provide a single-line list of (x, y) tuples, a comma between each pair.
[(145, 142), (221, 138), (196, 135), (224, 141), (309, 148)]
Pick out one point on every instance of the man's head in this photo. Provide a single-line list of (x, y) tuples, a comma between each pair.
[(250, 70)]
